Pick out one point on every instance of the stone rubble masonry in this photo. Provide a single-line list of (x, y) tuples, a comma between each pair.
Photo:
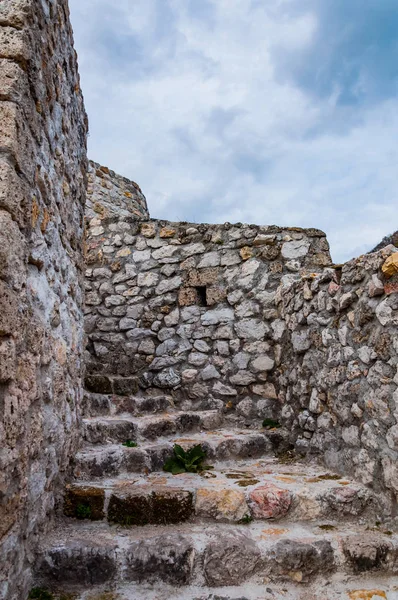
[(255, 321), (338, 388), (109, 194), (179, 306), (43, 168)]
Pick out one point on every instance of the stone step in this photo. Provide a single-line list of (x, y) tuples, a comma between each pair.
[(104, 405), (259, 489), (335, 586), (78, 556), (99, 430), (112, 460)]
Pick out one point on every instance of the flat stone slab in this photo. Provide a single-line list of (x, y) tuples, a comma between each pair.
[(258, 489)]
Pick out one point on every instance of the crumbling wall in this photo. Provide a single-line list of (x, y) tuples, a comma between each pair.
[(339, 373), (190, 308), (42, 187), (110, 195)]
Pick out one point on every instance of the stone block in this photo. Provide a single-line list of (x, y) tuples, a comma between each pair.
[(125, 386), (202, 277), (14, 194), (148, 230), (230, 560), (221, 505), (169, 558), (14, 44), (15, 137), (8, 360), (167, 232), (269, 502), (390, 266), (215, 294), (9, 303), (73, 565), (367, 552), (188, 297), (99, 384), (84, 503), (300, 562)]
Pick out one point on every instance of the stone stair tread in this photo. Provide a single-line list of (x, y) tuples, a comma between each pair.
[(258, 489), (148, 418), (67, 533), (96, 553), (208, 438), (119, 428), (267, 470), (334, 587)]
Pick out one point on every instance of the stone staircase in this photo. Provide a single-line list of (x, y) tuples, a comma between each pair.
[(255, 526)]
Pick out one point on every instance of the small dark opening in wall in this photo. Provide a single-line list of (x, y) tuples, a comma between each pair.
[(202, 299)]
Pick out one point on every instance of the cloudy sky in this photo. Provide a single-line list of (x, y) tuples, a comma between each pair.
[(259, 111)]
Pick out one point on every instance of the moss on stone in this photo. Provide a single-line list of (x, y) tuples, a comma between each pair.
[(157, 508), (84, 503)]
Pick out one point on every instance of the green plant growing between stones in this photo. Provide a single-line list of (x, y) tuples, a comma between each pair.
[(130, 444), (246, 520), (190, 461), (83, 511), (271, 424), (40, 594)]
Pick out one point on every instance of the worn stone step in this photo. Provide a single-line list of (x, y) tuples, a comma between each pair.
[(104, 405), (99, 430), (76, 556), (335, 586), (260, 489), (114, 459)]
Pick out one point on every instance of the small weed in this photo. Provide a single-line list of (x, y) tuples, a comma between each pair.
[(327, 527), (40, 594), (130, 444), (329, 477), (286, 458), (246, 520), (189, 461), (271, 424), (83, 511), (247, 482)]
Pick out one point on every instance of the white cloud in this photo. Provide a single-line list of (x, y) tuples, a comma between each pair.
[(192, 108)]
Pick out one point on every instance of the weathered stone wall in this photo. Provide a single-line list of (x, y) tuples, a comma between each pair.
[(338, 381), (42, 187), (256, 321), (109, 194), (190, 308)]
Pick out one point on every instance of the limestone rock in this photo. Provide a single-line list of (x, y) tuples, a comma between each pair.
[(222, 505), (168, 558), (390, 266), (269, 502), (230, 560)]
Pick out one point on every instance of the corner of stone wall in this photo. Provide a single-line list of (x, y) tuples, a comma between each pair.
[(43, 166)]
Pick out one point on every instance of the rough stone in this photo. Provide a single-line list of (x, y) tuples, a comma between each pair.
[(269, 502)]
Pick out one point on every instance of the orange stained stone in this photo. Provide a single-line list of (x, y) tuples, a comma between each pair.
[(287, 479), (159, 481), (273, 531), (367, 594)]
